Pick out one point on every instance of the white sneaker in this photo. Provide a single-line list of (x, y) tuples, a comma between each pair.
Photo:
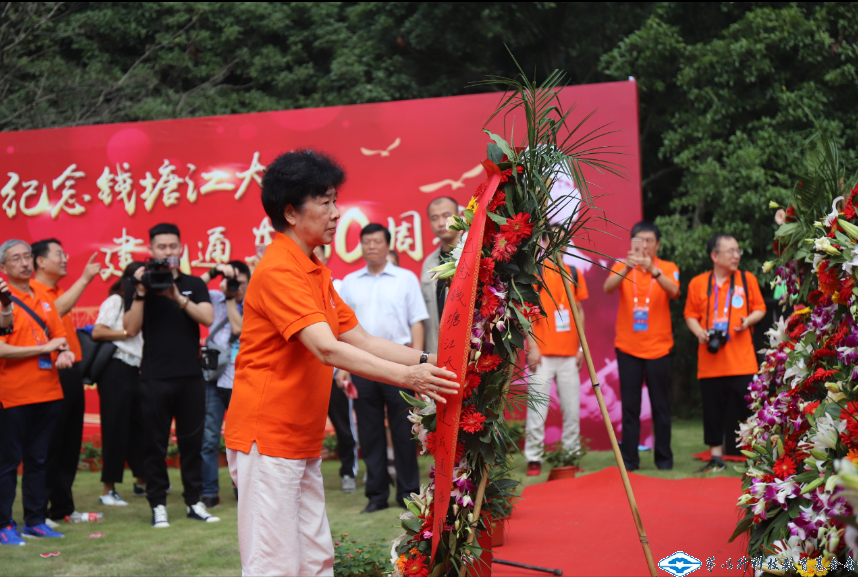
[(159, 517), (51, 524), (199, 513), (112, 498)]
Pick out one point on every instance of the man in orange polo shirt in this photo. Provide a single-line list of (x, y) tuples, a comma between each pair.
[(30, 395), (644, 340), (722, 304), (51, 263), (555, 354)]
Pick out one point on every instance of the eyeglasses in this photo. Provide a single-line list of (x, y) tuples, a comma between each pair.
[(61, 254), (28, 257), (734, 251)]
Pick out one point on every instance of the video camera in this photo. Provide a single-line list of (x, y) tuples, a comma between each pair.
[(158, 275)]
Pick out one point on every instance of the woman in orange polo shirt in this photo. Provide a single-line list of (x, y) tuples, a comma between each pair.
[(296, 329)]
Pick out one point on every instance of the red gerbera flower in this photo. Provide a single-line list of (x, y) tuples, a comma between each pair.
[(487, 271), (849, 210), (498, 199), (415, 567), (489, 231), (530, 312), (503, 249), (790, 214), (472, 420), (784, 467), (430, 443), (517, 228), (472, 381), (850, 414), (487, 363), (829, 282), (490, 302)]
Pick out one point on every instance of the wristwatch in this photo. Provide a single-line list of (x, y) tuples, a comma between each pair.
[(139, 297), (657, 273), (424, 357)]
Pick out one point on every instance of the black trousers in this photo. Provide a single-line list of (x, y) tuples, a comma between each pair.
[(338, 412), (633, 371), (25, 433), (724, 407), (64, 451), (369, 409), (162, 399), (121, 421)]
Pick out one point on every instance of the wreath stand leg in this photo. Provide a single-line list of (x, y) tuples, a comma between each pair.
[(608, 425)]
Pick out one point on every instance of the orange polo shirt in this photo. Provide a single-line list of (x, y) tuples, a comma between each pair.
[(737, 356), (53, 293), (657, 340), (555, 333), (22, 382), (281, 391)]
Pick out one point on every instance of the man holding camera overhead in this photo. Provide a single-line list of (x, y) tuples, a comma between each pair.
[(169, 307), (722, 305), (644, 338)]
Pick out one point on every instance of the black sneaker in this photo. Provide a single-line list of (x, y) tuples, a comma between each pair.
[(211, 502), (712, 466), (198, 512), (138, 490)]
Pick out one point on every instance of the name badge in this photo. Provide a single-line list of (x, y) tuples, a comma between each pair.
[(640, 319), (45, 362), (561, 321), (720, 324), (233, 351)]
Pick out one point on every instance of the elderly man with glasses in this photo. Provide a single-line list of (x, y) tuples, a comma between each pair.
[(30, 395), (722, 305)]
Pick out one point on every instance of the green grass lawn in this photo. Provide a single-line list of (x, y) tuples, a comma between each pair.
[(131, 547)]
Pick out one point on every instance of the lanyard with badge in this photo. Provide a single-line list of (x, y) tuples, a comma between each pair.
[(45, 361), (640, 314), (721, 323), (562, 320)]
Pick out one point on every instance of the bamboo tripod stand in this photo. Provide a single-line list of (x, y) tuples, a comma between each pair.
[(608, 425)]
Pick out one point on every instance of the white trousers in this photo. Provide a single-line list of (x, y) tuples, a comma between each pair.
[(282, 524), (564, 370)]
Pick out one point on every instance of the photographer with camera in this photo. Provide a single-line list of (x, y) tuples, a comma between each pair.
[(722, 305), (228, 304), (6, 311), (169, 307), (30, 393), (646, 284)]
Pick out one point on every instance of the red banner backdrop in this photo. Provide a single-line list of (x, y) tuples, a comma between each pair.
[(98, 189)]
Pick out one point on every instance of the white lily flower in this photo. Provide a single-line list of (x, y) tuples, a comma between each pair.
[(796, 373), (824, 244), (847, 266), (778, 333), (834, 212)]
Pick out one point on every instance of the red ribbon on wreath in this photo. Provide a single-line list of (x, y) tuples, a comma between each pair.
[(454, 347)]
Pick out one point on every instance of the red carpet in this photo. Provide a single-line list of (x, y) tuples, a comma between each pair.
[(584, 527), (706, 456)]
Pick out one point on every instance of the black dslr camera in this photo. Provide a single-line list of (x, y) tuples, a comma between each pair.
[(158, 275), (232, 284), (716, 340)]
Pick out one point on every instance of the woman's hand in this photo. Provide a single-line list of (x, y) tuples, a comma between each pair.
[(431, 381)]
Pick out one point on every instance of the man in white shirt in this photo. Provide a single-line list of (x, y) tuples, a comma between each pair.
[(388, 303)]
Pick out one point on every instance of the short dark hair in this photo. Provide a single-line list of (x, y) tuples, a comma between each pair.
[(646, 226), (294, 177), (163, 228), (441, 198), (375, 227), (240, 267), (120, 286), (712, 245), (42, 247)]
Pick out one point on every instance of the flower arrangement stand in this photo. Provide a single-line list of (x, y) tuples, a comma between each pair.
[(607, 418)]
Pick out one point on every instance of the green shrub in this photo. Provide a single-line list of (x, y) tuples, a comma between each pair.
[(353, 559)]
